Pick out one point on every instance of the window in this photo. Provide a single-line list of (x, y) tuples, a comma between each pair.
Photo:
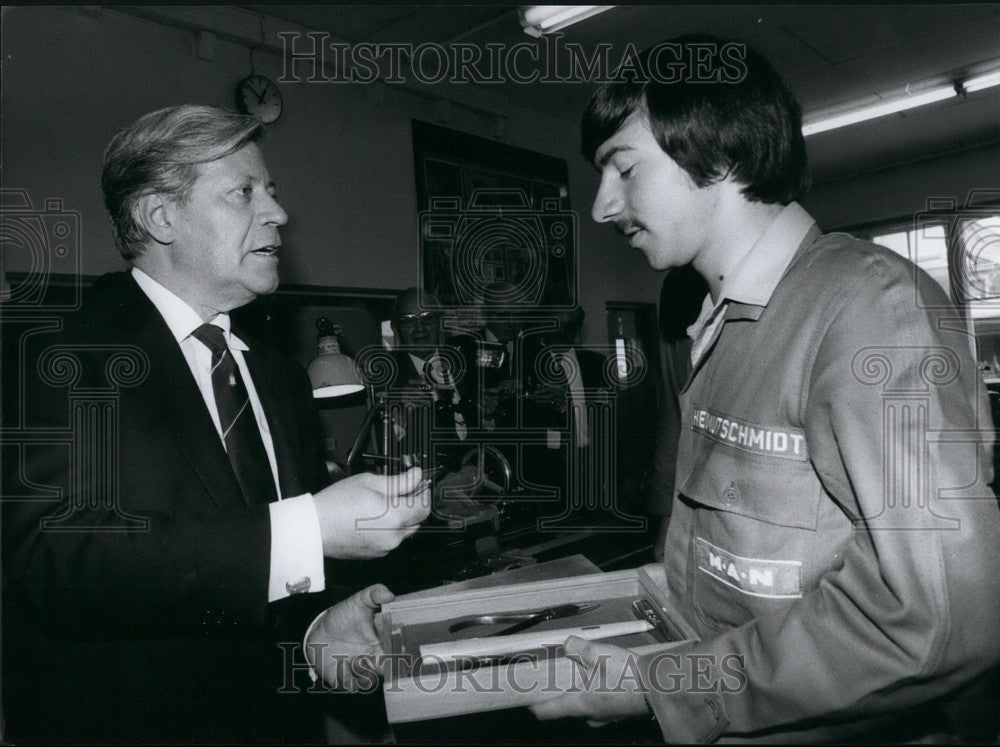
[(924, 245), (977, 263), (968, 241)]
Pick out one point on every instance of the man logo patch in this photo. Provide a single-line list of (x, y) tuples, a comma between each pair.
[(787, 443), (775, 579)]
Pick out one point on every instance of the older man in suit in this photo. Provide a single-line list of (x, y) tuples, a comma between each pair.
[(439, 372), (425, 359), (141, 600)]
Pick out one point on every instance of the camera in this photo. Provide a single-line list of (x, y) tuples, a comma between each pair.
[(46, 244), (499, 239)]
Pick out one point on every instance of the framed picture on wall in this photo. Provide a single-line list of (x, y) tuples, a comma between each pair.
[(493, 214)]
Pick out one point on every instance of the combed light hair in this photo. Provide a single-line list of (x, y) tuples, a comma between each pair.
[(159, 154)]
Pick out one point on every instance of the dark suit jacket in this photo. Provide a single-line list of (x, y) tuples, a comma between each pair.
[(593, 368), (527, 421), (141, 613), (537, 357)]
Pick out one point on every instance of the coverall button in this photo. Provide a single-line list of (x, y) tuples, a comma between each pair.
[(731, 494)]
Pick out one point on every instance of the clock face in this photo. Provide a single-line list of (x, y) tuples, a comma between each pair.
[(259, 97)]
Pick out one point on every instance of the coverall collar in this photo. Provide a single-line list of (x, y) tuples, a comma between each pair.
[(749, 288)]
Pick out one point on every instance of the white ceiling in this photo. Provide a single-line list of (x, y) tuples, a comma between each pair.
[(829, 54)]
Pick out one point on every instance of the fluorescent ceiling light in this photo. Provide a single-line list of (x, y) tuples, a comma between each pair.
[(940, 93), (538, 20), (982, 81), (841, 118)]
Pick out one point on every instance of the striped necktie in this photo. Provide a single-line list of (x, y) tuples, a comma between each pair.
[(240, 431)]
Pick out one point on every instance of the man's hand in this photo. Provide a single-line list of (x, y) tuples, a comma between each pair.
[(614, 690), (342, 646), (367, 515)]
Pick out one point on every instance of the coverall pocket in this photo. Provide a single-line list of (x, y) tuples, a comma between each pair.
[(752, 543)]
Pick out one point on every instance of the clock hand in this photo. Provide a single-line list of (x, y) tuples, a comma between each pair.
[(253, 90)]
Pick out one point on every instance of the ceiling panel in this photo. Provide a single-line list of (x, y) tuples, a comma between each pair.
[(351, 23), (842, 33), (829, 54), (390, 23), (941, 53), (643, 26), (906, 137)]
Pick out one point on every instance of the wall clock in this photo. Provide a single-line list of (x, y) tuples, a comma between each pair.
[(259, 97)]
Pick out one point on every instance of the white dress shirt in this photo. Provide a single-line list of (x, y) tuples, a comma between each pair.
[(296, 541)]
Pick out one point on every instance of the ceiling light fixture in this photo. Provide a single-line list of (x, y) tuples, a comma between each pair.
[(982, 81), (538, 20), (839, 117), (863, 114)]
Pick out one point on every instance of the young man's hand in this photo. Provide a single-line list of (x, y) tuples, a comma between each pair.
[(614, 691)]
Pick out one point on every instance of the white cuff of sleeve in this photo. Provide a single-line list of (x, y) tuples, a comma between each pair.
[(296, 548)]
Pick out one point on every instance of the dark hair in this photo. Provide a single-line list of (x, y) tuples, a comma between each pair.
[(160, 152), (719, 110)]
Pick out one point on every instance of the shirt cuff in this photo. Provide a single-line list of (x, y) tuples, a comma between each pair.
[(296, 548)]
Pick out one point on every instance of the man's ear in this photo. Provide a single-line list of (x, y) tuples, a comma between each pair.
[(153, 212)]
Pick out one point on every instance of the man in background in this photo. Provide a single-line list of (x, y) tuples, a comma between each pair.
[(434, 375), (424, 359)]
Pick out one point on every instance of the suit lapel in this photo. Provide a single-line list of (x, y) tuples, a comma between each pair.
[(276, 407), (174, 400)]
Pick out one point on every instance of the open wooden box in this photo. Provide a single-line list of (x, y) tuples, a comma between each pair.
[(418, 688)]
